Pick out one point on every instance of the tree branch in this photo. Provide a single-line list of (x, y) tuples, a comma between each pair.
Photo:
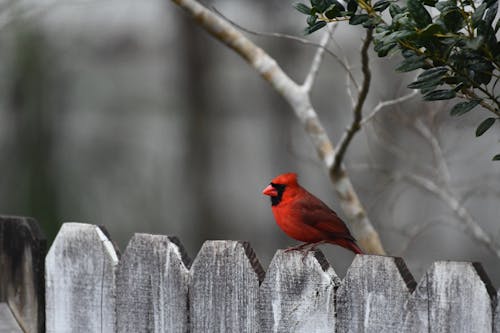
[(298, 98), (293, 38), (387, 103), (316, 63), (358, 109)]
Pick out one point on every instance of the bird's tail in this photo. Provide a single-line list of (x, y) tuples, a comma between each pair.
[(349, 244)]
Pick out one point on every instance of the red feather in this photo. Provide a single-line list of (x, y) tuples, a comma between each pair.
[(306, 218)]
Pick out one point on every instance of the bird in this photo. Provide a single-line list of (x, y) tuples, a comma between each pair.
[(305, 218)]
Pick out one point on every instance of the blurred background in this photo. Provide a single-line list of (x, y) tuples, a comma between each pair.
[(126, 114)]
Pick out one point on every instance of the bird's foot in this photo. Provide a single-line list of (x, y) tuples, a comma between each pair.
[(300, 247), (305, 248)]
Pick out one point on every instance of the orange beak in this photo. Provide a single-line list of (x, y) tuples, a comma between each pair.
[(270, 191)]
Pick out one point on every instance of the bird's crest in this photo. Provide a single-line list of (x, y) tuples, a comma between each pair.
[(286, 179)]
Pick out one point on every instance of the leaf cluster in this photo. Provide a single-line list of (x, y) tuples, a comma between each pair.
[(453, 43)]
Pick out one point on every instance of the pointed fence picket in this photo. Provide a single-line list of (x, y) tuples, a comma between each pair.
[(154, 287)]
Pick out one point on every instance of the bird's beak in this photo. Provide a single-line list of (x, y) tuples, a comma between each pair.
[(270, 191)]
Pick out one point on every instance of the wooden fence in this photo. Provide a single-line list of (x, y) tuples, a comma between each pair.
[(154, 287)]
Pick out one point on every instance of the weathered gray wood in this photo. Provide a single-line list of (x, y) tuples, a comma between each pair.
[(297, 294), (22, 252), (224, 283), (8, 323), (373, 296), (459, 297), (496, 315), (152, 286), (80, 280)]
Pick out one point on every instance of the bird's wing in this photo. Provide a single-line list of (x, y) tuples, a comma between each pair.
[(317, 214)]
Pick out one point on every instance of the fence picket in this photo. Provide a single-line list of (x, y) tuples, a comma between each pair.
[(22, 252), (80, 280), (152, 286), (224, 282), (373, 296), (297, 294), (152, 289), (459, 297)]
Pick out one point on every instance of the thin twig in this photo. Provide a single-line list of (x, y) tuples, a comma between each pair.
[(316, 63), (290, 37), (437, 152), (387, 103), (363, 93), (451, 200)]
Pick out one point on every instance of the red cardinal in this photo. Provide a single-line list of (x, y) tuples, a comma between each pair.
[(304, 217)]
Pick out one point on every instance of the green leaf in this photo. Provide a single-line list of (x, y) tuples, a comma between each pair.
[(335, 10), (381, 5), (484, 126), (432, 73), (316, 26), (302, 8), (430, 30), (477, 16), (394, 10), (496, 158), (491, 13), (438, 95), (311, 20), (358, 19), (385, 48), (352, 6), (452, 18), (411, 63), (464, 107), (419, 14), (425, 84)]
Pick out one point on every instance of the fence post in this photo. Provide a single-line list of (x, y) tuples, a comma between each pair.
[(152, 286), (459, 297), (297, 294), (80, 280), (22, 251), (373, 296), (224, 284)]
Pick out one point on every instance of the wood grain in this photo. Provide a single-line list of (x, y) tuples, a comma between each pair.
[(152, 286), (459, 297), (80, 280), (297, 294), (224, 282), (374, 296)]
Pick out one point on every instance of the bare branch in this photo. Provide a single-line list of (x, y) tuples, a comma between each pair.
[(417, 230), (388, 103), (299, 100), (363, 93), (442, 166), (293, 38), (316, 63), (453, 203)]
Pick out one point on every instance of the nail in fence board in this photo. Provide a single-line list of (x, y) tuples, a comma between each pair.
[(22, 252), (373, 296), (152, 286), (459, 297), (80, 280), (297, 294), (224, 283)]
